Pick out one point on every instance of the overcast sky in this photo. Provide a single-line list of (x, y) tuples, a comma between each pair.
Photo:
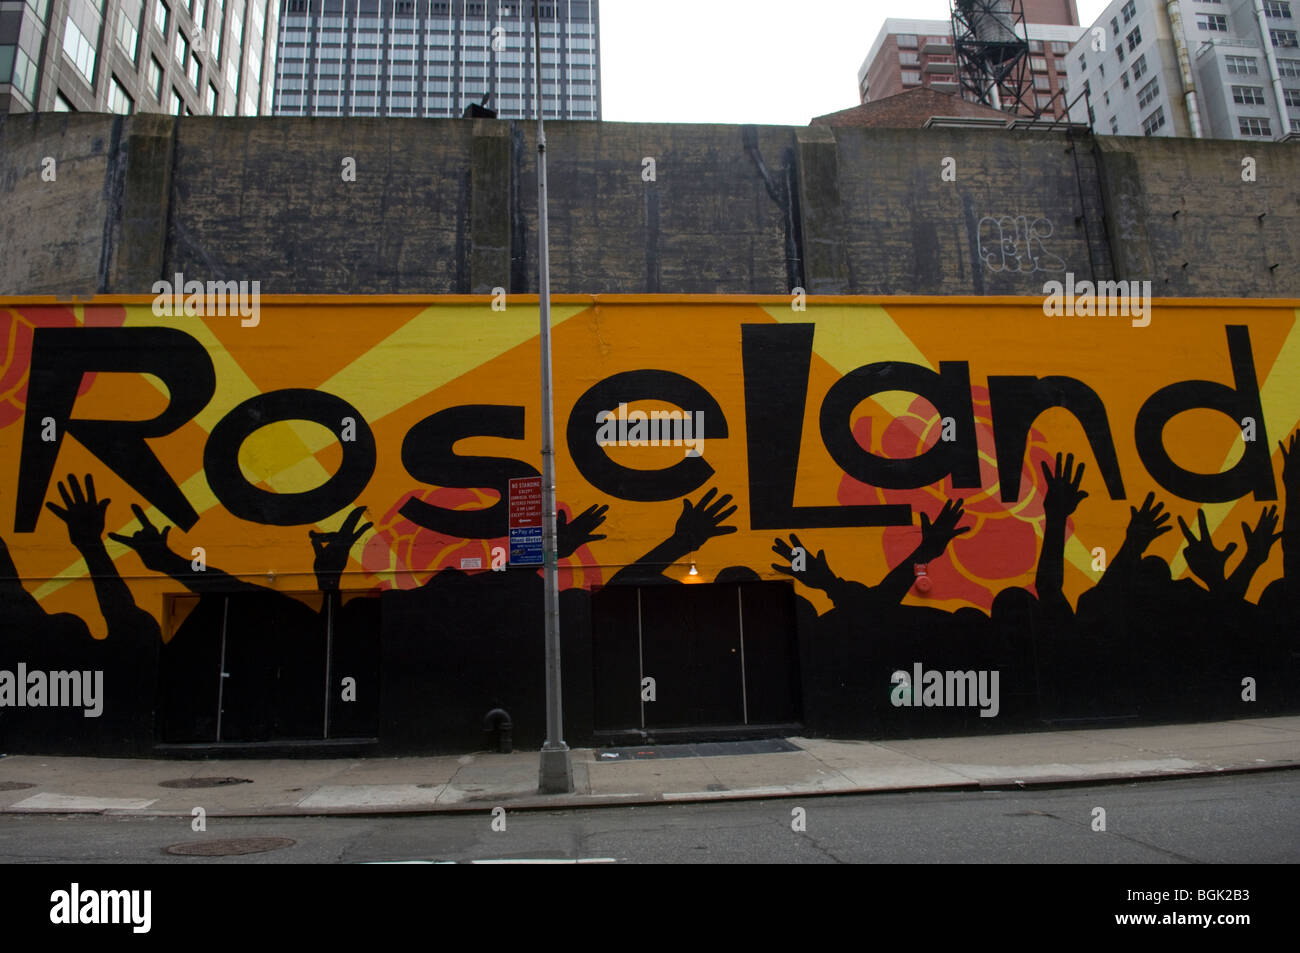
[(779, 62)]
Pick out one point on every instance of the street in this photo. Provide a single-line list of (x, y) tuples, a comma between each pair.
[(1244, 819)]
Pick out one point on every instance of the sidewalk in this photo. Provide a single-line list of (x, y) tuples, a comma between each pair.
[(479, 782)]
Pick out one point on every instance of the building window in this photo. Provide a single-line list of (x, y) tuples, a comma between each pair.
[(118, 100), (75, 43), (1288, 67), (1038, 64), (61, 104), (1134, 38), (1248, 95), (1252, 126), (210, 99), (911, 76), (1129, 10), (1041, 83), (1114, 126), (155, 77), (1295, 125), (1083, 62), (906, 41), (1060, 48), (160, 17), (1245, 65), (1213, 22), (177, 104), (1092, 116), (909, 59), (1291, 97), (1123, 80), (1148, 93), (1101, 70), (1139, 67), (128, 32), (181, 47), (1119, 52), (1277, 9), (194, 70), (1153, 122), (1114, 25), (1286, 39)]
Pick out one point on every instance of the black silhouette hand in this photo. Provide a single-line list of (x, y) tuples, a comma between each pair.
[(1261, 539), (83, 514), (936, 536), (816, 574), (1146, 524), (150, 544), (1290, 464), (700, 522), (332, 549), (1063, 493), (1202, 557), (570, 537)]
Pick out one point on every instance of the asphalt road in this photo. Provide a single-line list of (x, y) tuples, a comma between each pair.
[(1232, 819)]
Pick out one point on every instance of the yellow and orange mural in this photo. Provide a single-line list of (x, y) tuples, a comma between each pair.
[(843, 422)]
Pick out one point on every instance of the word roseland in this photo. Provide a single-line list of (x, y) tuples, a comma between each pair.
[(34, 689), (194, 298), (1105, 299), (932, 688)]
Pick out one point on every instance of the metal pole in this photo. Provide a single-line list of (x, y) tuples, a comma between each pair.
[(555, 774)]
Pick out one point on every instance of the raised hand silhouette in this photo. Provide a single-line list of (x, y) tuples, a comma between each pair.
[(572, 536), (1202, 557), (697, 524), (817, 572), (150, 544), (1062, 498), (936, 536), (83, 514), (1260, 540), (1063, 493), (1290, 464), (1146, 524), (701, 522), (332, 549)]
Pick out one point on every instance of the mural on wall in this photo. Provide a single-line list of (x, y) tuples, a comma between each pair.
[(217, 532)]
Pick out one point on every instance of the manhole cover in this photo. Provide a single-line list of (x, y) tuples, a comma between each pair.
[(15, 785), (230, 846), (203, 782)]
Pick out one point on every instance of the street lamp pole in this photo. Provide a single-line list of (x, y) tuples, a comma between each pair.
[(555, 774)]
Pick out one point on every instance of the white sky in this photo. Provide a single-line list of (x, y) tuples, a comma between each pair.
[(779, 62)]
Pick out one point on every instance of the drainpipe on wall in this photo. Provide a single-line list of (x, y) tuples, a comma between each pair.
[(1185, 67), (1271, 59)]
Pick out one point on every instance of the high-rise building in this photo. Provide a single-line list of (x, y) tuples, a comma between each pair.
[(436, 57), (1209, 69), (909, 54), (190, 57)]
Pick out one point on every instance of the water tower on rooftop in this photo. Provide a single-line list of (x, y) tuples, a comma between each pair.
[(992, 50)]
